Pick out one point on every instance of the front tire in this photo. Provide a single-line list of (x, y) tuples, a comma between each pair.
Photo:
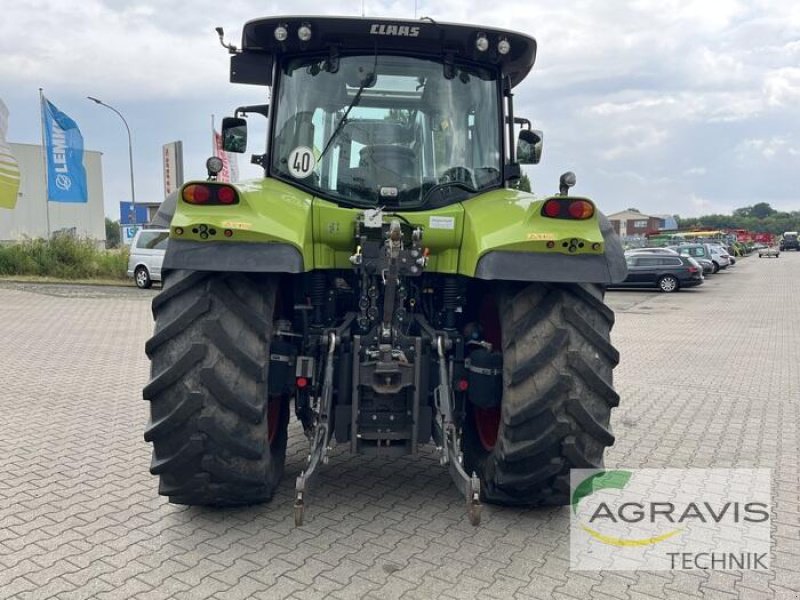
[(218, 438), (555, 409), (142, 278), (668, 284)]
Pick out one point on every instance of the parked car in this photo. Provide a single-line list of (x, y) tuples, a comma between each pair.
[(789, 241), (706, 264), (668, 251), (720, 256), (769, 251), (147, 253), (700, 253), (665, 272)]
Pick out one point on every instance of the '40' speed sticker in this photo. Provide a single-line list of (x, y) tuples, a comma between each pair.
[(301, 162)]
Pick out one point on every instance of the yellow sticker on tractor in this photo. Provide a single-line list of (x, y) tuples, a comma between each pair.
[(237, 225)]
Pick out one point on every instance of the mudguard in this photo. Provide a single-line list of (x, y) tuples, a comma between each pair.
[(268, 231), (507, 237), (233, 256)]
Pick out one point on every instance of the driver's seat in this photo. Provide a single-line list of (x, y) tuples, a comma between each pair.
[(390, 164)]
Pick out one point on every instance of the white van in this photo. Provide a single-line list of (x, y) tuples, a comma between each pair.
[(147, 253)]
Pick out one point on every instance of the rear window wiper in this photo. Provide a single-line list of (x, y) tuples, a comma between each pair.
[(368, 80)]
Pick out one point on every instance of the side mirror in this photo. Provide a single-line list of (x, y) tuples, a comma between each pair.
[(529, 146), (234, 134)]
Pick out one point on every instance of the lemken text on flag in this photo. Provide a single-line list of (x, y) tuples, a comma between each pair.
[(66, 175)]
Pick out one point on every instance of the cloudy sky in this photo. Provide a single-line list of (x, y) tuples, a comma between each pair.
[(671, 106)]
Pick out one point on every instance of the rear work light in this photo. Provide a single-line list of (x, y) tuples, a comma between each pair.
[(568, 209), (210, 194)]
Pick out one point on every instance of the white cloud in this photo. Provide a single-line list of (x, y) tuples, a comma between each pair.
[(636, 177), (633, 139), (782, 86), (696, 172), (704, 206), (768, 148)]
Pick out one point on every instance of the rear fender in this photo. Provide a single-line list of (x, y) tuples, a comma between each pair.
[(268, 231), (507, 237)]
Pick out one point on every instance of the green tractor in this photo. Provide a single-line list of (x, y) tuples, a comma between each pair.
[(384, 280)]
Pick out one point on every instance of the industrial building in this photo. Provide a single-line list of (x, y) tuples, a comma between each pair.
[(633, 223), (29, 218)]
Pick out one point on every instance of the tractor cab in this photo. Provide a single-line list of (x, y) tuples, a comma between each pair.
[(370, 112)]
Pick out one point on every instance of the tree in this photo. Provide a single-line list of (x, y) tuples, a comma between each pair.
[(112, 233), (524, 183), (762, 210)]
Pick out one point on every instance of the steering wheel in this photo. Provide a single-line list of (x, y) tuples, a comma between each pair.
[(458, 175)]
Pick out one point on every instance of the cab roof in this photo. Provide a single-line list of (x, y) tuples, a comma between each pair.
[(398, 36)]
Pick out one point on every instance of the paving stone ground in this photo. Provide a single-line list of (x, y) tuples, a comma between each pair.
[(709, 377)]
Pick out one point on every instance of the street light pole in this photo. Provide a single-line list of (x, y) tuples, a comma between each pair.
[(130, 151)]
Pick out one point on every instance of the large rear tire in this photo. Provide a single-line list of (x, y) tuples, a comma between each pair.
[(558, 394), (218, 438)]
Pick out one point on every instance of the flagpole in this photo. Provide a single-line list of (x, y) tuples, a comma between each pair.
[(44, 162), (213, 138)]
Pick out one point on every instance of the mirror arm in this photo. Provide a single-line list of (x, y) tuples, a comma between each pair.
[(261, 109), (522, 121), (510, 119)]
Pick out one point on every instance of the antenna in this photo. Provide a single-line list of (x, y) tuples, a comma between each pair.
[(415, 9), (362, 8)]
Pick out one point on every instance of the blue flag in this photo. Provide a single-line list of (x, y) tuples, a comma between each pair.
[(66, 176)]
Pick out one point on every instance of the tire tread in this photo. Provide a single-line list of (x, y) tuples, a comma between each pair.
[(208, 396), (558, 393)]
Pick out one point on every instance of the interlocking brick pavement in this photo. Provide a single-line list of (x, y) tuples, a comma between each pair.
[(709, 377)]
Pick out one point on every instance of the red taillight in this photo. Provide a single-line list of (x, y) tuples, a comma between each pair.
[(226, 195), (196, 194), (552, 208), (301, 382), (568, 209), (209, 194), (463, 385), (693, 269), (581, 209)]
